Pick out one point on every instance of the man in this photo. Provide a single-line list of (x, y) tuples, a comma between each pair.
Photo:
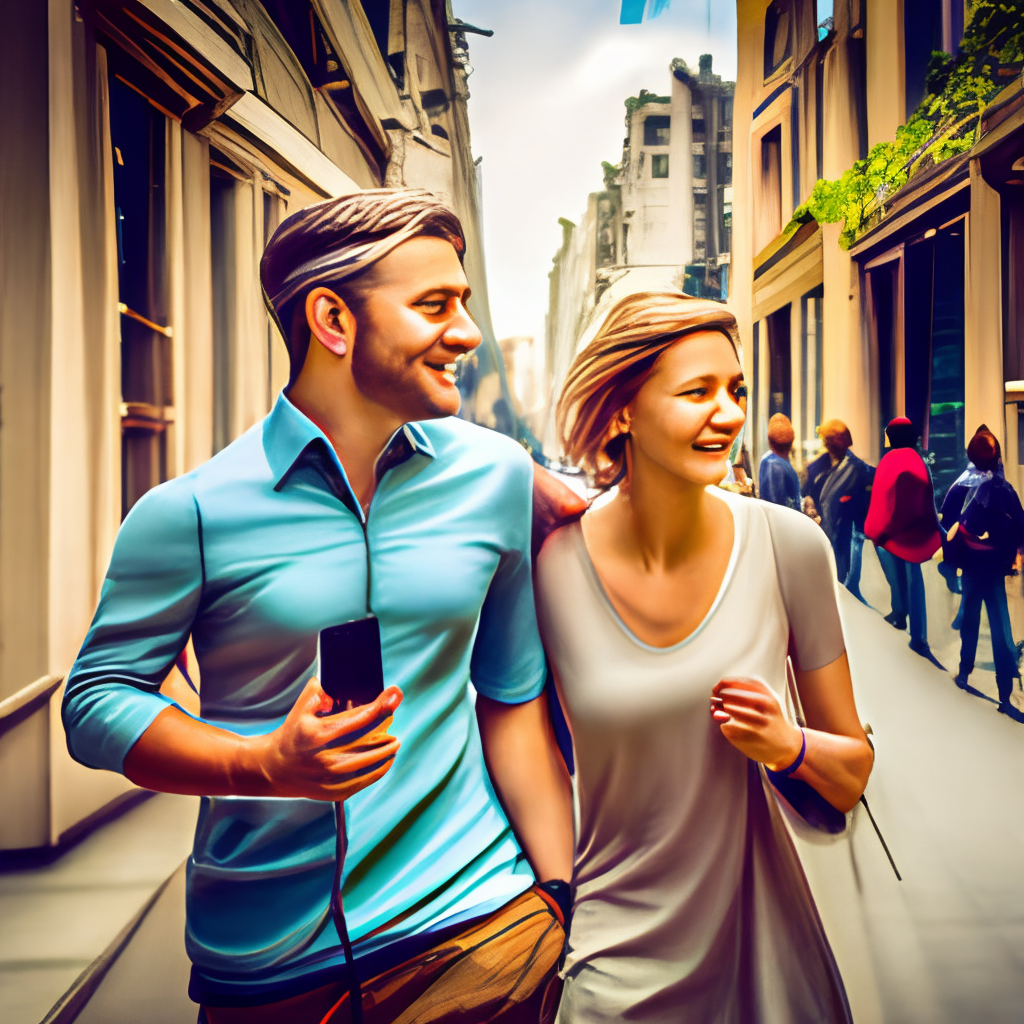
[(358, 493), (901, 522), (776, 476), (838, 485)]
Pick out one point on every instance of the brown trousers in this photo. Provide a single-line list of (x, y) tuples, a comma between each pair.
[(501, 969)]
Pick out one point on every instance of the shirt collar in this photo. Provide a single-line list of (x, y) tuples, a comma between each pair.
[(289, 433)]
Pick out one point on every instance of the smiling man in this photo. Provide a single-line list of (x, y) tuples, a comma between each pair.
[(360, 492)]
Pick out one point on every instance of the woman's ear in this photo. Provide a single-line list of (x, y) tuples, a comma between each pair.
[(330, 320)]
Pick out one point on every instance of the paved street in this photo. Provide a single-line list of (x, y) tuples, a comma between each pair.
[(948, 940)]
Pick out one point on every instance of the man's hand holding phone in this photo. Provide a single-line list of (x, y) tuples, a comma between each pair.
[(317, 755)]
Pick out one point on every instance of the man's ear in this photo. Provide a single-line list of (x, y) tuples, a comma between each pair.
[(330, 321)]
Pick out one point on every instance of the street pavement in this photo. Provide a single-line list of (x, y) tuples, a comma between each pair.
[(947, 941)]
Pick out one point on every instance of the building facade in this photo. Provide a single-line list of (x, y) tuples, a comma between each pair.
[(150, 149), (662, 222), (916, 312)]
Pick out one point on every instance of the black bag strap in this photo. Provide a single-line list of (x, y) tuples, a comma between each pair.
[(783, 566)]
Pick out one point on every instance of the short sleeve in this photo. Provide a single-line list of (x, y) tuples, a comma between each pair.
[(807, 579), (508, 660), (147, 604)]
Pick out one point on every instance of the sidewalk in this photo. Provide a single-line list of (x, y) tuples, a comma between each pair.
[(942, 608), (57, 918)]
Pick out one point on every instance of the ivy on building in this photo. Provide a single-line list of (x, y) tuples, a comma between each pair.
[(946, 124)]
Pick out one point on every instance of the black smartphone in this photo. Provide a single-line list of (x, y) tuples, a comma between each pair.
[(350, 667)]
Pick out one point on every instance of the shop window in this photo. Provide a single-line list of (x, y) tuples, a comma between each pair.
[(777, 35), (657, 131), (659, 165), (138, 140), (884, 293), (810, 359), (779, 363)]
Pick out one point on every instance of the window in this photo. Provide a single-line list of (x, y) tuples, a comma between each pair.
[(700, 226), (138, 140), (777, 48), (724, 168), (779, 363), (811, 349), (769, 192), (656, 131), (700, 165), (659, 165), (698, 129)]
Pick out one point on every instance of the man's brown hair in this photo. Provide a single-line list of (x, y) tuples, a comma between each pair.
[(606, 376), (333, 242)]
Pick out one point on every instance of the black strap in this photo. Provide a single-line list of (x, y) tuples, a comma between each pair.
[(355, 992)]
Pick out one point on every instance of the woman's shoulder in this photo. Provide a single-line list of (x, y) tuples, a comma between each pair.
[(793, 532), (559, 546)]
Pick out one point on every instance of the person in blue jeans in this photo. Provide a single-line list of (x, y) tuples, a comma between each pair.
[(901, 522), (776, 477), (984, 532)]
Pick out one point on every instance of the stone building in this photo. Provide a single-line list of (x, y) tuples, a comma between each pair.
[(663, 220), (920, 314), (150, 149)]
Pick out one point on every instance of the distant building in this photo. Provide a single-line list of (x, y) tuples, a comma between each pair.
[(663, 220)]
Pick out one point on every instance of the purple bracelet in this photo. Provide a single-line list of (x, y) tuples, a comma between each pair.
[(786, 772)]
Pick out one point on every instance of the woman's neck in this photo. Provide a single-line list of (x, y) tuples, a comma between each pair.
[(663, 518)]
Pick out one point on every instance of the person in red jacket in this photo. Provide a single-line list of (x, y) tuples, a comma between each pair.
[(902, 523)]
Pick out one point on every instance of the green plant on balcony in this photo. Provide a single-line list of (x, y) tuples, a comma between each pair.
[(945, 124)]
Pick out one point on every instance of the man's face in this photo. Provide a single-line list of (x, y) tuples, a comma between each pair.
[(411, 324)]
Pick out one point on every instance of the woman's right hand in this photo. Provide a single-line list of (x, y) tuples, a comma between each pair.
[(321, 756)]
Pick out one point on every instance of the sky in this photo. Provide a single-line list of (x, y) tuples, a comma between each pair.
[(546, 107)]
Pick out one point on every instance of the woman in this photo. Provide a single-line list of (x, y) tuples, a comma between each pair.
[(665, 623), (984, 531)]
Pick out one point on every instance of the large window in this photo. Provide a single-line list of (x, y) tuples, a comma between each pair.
[(777, 32), (769, 189), (657, 131), (138, 138)]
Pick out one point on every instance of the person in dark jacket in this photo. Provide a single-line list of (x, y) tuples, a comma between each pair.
[(838, 485), (776, 477), (983, 525), (902, 524)]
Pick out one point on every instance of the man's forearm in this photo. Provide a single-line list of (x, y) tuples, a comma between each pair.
[(531, 781), (179, 754)]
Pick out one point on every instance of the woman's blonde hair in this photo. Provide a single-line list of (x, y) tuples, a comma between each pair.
[(606, 376)]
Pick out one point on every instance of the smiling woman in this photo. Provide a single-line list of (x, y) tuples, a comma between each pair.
[(667, 614)]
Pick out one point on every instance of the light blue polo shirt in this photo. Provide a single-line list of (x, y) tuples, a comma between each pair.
[(252, 554)]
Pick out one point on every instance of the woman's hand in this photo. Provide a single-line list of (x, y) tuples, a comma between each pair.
[(752, 720), (322, 756)]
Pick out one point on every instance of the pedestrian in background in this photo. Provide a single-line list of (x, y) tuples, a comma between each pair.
[(983, 525), (838, 485), (902, 523), (776, 476)]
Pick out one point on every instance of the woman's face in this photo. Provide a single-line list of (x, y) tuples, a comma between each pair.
[(690, 409)]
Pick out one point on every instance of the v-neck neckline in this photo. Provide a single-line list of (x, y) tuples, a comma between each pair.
[(602, 593)]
